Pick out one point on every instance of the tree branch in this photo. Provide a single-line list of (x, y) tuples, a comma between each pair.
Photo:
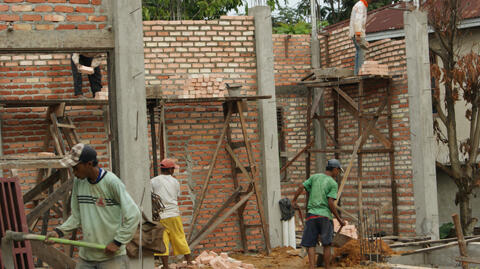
[(449, 172)]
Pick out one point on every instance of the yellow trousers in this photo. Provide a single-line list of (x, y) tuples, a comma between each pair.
[(174, 234)]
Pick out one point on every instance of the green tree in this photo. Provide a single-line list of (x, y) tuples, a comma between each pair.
[(187, 9)]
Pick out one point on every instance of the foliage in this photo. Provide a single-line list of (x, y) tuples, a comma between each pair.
[(335, 11), (187, 9), (460, 77), (297, 29), (446, 230)]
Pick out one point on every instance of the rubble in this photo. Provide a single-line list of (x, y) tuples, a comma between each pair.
[(210, 259), (349, 230)]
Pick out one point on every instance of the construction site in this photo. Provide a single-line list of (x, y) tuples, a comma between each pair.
[(246, 115)]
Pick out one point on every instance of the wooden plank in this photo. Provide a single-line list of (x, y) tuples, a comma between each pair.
[(52, 102), (56, 40), (210, 171), (346, 97), (230, 199), (384, 140), (154, 94), (41, 187), (462, 246), (219, 220), (237, 162), (259, 199), (296, 156), (426, 242), (468, 260), (447, 245), (27, 164), (49, 201), (316, 103), (64, 125), (53, 257)]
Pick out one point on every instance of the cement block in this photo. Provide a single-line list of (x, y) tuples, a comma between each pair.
[(333, 72)]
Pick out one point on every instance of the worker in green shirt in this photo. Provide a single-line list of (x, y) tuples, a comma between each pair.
[(102, 208), (321, 195)]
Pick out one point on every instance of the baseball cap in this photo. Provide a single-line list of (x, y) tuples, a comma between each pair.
[(167, 163), (335, 164), (80, 153)]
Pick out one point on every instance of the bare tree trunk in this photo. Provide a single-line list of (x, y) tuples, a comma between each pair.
[(466, 213)]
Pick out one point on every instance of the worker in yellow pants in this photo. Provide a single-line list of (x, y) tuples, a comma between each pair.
[(168, 188)]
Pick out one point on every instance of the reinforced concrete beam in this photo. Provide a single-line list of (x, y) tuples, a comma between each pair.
[(270, 170), (421, 124), (56, 40), (130, 108)]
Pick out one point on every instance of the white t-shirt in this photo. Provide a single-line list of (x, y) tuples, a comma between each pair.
[(168, 188), (358, 19)]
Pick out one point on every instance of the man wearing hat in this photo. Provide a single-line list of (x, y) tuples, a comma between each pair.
[(168, 188), (102, 208), (321, 195)]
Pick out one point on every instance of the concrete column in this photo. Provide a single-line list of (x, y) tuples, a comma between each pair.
[(270, 170), (130, 107), (421, 124)]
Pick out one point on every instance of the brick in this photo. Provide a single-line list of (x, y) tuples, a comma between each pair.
[(37, 1), (96, 2), (24, 27), (29, 17), (65, 27), (84, 9), (64, 9), (76, 18), (80, 1), (54, 17), (9, 17), (97, 18), (41, 8), (13, 1), (87, 26), (4, 8), (21, 8), (44, 26)]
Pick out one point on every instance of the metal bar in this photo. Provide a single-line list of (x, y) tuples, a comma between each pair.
[(210, 171), (392, 163), (153, 137)]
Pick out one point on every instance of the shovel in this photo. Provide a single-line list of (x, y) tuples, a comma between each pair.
[(10, 236), (340, 239)]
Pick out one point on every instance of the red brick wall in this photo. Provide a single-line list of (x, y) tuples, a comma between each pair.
[(376, 172), (188, 59), (53, 14), (44, 76)]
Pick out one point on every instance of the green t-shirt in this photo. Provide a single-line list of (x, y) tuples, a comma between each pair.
[(320, 187)]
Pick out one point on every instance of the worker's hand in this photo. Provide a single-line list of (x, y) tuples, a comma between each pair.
[(50, 235), (111, 248), (358, 39), (342, 222)]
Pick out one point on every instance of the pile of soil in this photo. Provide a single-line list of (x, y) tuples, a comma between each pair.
[(349, 254), (280, 258)]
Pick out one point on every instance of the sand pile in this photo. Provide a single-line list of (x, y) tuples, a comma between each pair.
[(349, 255)]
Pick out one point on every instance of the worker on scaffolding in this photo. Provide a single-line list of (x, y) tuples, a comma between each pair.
[(321, 195), (358, 20), (88, 64), (102, 208), (168, 188)]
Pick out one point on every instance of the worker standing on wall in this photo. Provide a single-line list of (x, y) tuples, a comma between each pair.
[(321, 195), (88, 64), (168, 188), (102, 208), (358, 20)]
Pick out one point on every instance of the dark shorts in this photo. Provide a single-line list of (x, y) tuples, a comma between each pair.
[(317, 227)]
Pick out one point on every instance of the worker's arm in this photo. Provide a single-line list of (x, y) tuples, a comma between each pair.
[(333, 209), (130, 214), (73, 222)]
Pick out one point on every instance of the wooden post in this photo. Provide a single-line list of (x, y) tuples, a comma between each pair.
[(462, 245)]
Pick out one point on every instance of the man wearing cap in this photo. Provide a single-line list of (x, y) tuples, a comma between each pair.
[(321, 195), (168, 188), (102, 208)]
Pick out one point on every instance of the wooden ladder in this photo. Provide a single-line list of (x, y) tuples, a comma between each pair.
[(239, 198)]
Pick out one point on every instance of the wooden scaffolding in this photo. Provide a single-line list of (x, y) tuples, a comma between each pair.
[(367, 126), (232, 106), (54, 181)]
